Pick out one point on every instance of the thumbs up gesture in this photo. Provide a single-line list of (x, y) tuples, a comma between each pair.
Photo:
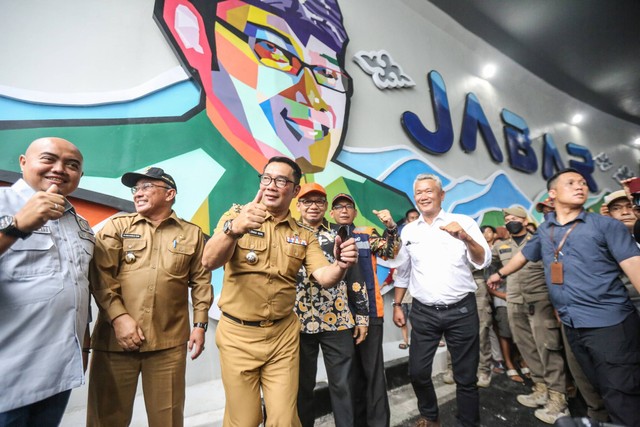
[(385, 216), (40, 208), (252, 215)]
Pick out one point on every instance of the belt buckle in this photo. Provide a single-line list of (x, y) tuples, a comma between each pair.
[(439, 307), (266, 323)]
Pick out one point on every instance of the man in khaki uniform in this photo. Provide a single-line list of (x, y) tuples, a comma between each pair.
[(143, 266), (483, 301), (534, 326), (262, 249)]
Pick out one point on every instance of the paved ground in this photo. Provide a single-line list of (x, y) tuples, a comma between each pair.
[(498, 405)]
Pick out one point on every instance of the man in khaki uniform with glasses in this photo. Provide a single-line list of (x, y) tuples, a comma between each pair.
[(144, 265), (262, 249)]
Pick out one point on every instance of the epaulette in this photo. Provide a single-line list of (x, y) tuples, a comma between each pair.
[(235, 208), (306, 227)]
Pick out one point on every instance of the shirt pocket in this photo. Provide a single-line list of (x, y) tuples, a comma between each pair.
[(133, 251), (33, 257), (30, 272), (295, 256), (247, 244), (179, 258)]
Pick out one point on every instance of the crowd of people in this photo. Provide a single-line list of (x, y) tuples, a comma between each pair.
[(559, 295)]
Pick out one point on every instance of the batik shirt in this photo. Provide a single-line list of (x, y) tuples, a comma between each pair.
[(327, 309)]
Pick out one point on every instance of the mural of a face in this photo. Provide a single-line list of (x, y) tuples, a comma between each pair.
[(273, 77)]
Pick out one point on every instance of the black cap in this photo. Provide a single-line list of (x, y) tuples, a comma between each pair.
[(131, 178), (342, 196)]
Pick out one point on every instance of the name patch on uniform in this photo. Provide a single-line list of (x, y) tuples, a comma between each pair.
[(296, 240), (256, 233), (131, 236), (45, 229), (504, 251)]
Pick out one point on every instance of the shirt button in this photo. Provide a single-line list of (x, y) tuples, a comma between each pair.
[(153, 267), (151, 288), (147, 310)]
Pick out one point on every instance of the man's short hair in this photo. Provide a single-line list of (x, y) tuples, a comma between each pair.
[(551, 181), (297, 172), (320, 18), (425, 176), (412, 210)]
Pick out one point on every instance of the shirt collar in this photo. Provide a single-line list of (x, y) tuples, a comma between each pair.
[(582, 216), (137, 218), (442, 216), (23, 189)]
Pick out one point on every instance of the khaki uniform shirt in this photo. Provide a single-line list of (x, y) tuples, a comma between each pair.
[(146, 271), (526, 285), (267, 290)]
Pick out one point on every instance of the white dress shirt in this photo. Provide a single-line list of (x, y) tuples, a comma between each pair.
[(435, 266)]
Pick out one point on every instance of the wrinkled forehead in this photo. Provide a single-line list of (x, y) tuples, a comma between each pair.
[(313, 22)]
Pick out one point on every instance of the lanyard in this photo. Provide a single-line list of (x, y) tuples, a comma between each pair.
[(564, 239)]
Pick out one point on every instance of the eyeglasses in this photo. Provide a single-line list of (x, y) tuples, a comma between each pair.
[(342, 207), (273, 56), (280, 181), (321, 203), (146, 186)]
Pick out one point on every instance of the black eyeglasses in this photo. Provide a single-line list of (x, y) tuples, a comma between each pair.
[(321, 203), (273, 56), (146, 186), (280, 181), (341, 207)]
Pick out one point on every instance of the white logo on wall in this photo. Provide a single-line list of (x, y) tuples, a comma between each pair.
[(384, 71)]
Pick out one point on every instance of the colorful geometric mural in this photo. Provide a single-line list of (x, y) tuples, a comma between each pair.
[(261, 78)]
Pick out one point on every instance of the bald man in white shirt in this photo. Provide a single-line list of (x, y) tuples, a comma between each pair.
[(439, 252)]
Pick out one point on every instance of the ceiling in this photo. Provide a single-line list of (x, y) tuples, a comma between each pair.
[(589, 49)]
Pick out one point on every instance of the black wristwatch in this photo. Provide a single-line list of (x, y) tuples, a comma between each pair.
[(396, 304), (8, 227), (201, 325)]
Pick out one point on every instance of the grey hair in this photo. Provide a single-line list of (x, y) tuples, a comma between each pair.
[(425, 176)]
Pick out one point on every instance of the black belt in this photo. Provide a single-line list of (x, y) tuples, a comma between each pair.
[(256, 323), (442, 307)]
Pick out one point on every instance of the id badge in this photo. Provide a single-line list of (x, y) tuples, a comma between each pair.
[(557, 277)]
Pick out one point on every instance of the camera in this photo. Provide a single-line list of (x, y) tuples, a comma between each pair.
[(634, 189)]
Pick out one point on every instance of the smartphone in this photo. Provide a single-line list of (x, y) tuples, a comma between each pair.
[(343, 232)]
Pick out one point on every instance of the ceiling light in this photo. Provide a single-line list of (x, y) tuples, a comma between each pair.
[(577, 118), (636, 142), (488, 71)]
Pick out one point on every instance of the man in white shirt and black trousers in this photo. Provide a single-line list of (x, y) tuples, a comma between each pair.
[(439, 251)]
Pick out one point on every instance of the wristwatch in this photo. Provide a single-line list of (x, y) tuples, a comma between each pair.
[(227, 229), (396, 304), (201, 325), (8, 227)]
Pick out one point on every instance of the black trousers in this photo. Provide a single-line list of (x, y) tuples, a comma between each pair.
[(460, 326), (338, 350), (370, 390), (45, 413), (610, 358)]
